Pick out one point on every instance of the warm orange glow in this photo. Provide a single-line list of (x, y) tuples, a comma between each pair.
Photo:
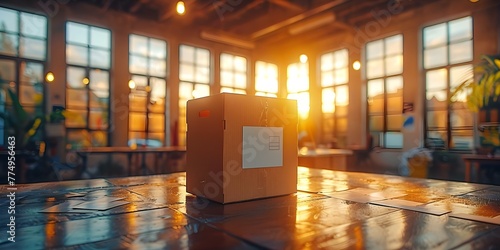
[(131, 84), (50, 77), (181, 8), (356, 65), (303, 58)]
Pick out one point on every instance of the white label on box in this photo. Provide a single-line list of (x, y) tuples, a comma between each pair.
[(262, 147)]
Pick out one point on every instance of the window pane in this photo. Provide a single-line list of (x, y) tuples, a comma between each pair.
[(157, 49), (78, 139), (240, 64), (33, 25), (30, 94), (76, 119), (157, 67), (328, 100), (76, 98), (98, 119), (138, 64), (394, 65), (138, 45), (341, 76), (436, 139), (436, 79), (327, 79), (436, 99), (341, 59), (76, 55), (100, 58), (137, 121), (342, 95), (376, 106), (394, 45), (8, 44), (138, 101), (393, 140), (435, 35), (187, 54), (461, 52), (375, 88), (436, 119), (341, 111), (140, 82), (461, 29), (394, 104), (462, 139), (240, 81), (7, 71), (375, 68), (394, 122), (32, 48), (226, 78), (99, 138), (202, 75), (202, 57), (186, 72), (156, 122), (435, 57), (31, 72), (341, 125), (394, 85), (201, 90), (99, 99), (460, 74), (375, 50), (100, 38), (77, 33), (461, 118), (75, 76), (99, 79), (376, 123), (327, 62), (9, 20)]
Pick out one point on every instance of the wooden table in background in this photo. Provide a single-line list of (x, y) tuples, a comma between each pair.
[(332, 159), (472, 162), (160, 214), (143, 151)]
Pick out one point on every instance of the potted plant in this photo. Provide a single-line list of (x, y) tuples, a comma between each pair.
[(483, 90), (482, 93)]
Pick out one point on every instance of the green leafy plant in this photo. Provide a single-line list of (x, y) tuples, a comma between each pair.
[(484, 87), (19, 123)]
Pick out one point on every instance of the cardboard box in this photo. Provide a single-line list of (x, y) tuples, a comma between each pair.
[(241, 147)]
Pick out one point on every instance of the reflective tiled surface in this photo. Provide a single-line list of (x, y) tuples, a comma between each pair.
[(155, 212)]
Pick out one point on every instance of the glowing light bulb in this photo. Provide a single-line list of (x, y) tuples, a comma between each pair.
[(356, 65), (131, 84), (50, 77), (181, 8), (303, 58)]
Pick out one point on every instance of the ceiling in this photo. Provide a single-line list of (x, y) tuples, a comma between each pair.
[(252, 21)]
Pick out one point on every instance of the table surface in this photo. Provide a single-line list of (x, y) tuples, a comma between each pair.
[(155, 212)]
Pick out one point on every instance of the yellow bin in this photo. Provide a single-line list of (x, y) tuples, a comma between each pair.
[(418, 166)]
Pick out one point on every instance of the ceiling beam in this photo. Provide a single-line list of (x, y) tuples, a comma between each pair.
[(107, 4), (309, 13), (287, 5), (238, 13), (138, 5)]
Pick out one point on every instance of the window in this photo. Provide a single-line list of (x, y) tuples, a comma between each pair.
[(23, 52), (447, 61), (147, 106), (384, 60), (194, 76), (233, 73), (266, 79), (298, 86), (335, 96), (88, 58)]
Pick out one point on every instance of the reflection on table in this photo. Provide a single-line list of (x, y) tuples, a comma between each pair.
[(332, 209)]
